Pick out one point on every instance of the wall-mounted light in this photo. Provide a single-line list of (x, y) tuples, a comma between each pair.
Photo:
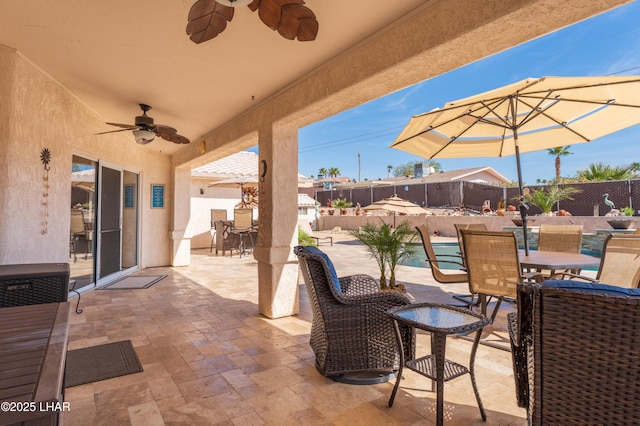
[(201, 191)]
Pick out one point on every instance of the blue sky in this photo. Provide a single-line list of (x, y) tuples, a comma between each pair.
[(608, 44)]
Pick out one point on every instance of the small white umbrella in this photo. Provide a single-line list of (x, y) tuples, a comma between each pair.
[(396, 204), (249, 197)]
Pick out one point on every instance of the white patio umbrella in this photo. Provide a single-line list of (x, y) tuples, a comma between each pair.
[(396, 204), (529, 115), (248, 200)]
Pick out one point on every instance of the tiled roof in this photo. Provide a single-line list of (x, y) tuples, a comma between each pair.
[(240, 163), (305, 201)]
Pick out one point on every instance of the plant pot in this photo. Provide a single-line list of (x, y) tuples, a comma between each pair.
[(330, 212), (343, 212), (621, 223), (518, 222)]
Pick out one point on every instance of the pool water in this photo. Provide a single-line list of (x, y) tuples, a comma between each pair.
[(451, 249)]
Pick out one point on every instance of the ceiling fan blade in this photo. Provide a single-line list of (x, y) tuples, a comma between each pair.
[(126, 126), (289, 17), (170, 134), (115, 131), (207, 19)]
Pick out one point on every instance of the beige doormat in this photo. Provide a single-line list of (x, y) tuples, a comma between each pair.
[(133, 282)]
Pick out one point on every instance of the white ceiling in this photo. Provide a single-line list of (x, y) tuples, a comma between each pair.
[(116, 54)]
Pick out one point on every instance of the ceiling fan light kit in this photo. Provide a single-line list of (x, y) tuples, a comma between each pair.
[(144, 130), (143, 137), (234, 3)]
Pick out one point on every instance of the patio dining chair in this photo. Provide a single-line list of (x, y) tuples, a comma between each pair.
[(619, 264), (79, 229), (439, 275), (217, 215), (352, 337), (243, 226), (560, 238), (493, 266), (467, 298), (576, 366)]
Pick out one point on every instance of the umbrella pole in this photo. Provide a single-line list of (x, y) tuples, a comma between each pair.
[(522, 206)]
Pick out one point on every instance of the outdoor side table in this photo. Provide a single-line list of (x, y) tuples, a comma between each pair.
[(439, 320)]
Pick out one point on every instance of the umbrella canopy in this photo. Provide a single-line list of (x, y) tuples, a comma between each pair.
[(529, 115), (249, 195), (396, 204)]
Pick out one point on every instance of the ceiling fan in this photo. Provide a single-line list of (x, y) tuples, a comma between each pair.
[(145, 131), (208, 18)]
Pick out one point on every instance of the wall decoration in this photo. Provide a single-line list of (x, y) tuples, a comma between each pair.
[(129, 196), (157, 196), (45, 158)]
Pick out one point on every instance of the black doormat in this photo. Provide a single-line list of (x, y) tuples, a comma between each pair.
[(133, 282), (101, 362)]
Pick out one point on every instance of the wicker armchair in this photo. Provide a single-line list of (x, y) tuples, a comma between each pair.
[(351, 332), (577, 366)]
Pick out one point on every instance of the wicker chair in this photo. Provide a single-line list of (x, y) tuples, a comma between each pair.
[(577, 366), (351, 332), (493, 265), (620, 262), (562, 238)]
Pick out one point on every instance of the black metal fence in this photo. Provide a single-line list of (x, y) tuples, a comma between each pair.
[(589, 200)]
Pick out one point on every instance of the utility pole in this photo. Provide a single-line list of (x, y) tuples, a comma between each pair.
[(358, 166)]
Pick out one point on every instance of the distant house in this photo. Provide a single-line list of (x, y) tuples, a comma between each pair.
[(484, 174)]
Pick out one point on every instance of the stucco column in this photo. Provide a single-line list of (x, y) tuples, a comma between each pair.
[(180, 241), (278, 221)]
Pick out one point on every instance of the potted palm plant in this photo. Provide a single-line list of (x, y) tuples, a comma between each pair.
[(341, 204), (546, 199), (388, 246)]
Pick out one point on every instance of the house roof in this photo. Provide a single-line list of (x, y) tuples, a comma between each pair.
[(305, 201), (471, 175), (242, 163)]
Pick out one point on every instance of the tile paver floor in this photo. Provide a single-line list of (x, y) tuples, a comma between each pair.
[(210, 358)]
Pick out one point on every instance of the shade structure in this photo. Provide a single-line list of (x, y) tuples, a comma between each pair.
[(247, 185), (396, 205), (530, 115)]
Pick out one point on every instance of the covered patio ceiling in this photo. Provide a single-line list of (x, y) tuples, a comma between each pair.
[(114, 55)]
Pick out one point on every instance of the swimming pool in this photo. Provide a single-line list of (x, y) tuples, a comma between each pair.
[(452, 249)]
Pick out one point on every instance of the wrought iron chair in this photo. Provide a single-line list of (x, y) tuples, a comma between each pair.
[(351, 334), (619, 265), (577, 366)]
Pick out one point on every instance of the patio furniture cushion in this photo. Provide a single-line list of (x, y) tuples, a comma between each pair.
[(332, 270), (600, 288)]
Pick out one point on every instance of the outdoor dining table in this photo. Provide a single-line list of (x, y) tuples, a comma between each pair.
[(542, 259)]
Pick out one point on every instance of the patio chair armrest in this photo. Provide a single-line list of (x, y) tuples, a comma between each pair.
[(440, 260), (536, 277), (564, 275), (353, 285)]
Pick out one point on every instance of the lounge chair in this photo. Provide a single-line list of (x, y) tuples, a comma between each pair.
[(577, 366), (351, 334)]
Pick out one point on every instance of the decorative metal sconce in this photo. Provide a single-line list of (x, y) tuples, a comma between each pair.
[(45, 157)]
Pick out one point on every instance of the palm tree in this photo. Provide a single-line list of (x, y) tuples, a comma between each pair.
[(634, 168), (322, 172), (400, 249), (389, 168), (599, 172), (559, 152), (334, 172)]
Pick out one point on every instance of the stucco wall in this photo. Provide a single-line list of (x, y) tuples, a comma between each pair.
[(36, 113)]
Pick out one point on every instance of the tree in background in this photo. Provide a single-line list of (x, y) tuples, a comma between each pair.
[(599, 171), (559, 152), (433, 164), (389, 168), (634, 168), (408, 168), (322, 172), (334, 172)]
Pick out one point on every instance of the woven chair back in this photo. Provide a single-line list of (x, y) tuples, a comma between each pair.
[(217, 215), (438, 275), (562, 238), (492, 262), (473, 227), (242, 220), (77, 222), (620, 264)]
